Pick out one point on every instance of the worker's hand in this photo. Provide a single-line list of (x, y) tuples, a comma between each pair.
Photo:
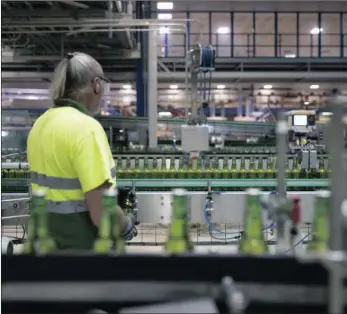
[(130, 231), (133, 219)]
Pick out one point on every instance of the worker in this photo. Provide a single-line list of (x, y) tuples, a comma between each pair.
[(69, 155)]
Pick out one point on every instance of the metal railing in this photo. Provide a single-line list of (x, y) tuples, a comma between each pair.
[(251, 45)]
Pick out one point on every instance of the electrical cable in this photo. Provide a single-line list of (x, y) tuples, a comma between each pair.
[(237, 234), (301, 241)]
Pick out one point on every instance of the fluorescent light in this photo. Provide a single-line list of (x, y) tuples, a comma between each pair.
[(306, 103), (164, 30), (165, 5), (164, 16), (290, 55), (127, 86), (223, 30), (220, 86), (316, 30), (173, 86), (267, 86), (314, 86)]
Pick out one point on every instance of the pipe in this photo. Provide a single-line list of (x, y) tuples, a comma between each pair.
[(89, 22), (75, 4), (14, 165), (110, 11), (7, 247), (240, 102), (11, 200), (96, 22), (80, 31), (186, 110)]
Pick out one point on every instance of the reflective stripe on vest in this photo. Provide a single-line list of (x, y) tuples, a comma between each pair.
[(57, 183), (67, 207)]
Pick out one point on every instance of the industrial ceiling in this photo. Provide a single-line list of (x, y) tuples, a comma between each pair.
[(37, 34)]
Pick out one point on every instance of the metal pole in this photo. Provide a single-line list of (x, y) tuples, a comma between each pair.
[(186, 91), (280, 216), (152, 88), (338, 193), (239, 102), (194, 91), (282, 147), (339, 182)]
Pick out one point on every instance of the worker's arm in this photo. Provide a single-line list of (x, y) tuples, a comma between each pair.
[(92, 164)]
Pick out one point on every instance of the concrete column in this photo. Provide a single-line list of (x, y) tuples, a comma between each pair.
[(152, 88)]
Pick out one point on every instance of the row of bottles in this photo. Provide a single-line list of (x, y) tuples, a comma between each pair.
[(221, 174), (253, 241), (110, 240), (211, 162), (39, 242), (241, 173)]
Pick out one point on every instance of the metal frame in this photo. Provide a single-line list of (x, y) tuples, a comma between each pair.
[(336, 258)]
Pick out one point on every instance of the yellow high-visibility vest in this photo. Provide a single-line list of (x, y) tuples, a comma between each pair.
[(69, 155)]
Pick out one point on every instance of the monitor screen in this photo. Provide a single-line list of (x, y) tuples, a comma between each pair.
[(133, 136), (300, 120)]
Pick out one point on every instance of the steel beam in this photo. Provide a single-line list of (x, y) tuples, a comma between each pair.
[(119, 76), (217, 76), (262, 60), (263, 75), (118, 54), (56, 12)]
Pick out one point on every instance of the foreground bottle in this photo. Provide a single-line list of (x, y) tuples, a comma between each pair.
[(320, 232), (253, 240), (178, 238), (39, 241), (110, 238)]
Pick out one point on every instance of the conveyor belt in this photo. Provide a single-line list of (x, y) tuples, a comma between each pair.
[(199, 183)]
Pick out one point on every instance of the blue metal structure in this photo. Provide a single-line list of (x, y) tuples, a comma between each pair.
[(247, 51)]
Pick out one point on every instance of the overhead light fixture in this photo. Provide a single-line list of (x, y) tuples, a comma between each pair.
[(127, 86), (306, 103), (223, 30), (314, 86), (173, 86), (290, 55), (165, 5), (316, 30), (267, 86), (220, 86), (164, 16), (164, 30)]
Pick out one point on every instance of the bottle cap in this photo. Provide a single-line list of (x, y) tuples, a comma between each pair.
[(179, 192), (39, 193), (253, 191), (324, 193), (111, 192)]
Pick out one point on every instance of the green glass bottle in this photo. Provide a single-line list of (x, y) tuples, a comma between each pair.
[(110, 239), (253, 239), (39, 241), (178, 238), (320, 232)]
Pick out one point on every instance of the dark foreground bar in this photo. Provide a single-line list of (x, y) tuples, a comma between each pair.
[(77, 284)]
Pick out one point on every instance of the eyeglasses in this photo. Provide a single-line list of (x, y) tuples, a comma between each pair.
[(102, 79)]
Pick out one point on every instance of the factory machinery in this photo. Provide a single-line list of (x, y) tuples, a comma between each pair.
[(263, 190)]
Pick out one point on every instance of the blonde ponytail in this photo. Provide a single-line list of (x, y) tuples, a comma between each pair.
[(82, 69)]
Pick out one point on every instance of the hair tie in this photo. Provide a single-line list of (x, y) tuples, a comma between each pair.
[(69, 55)]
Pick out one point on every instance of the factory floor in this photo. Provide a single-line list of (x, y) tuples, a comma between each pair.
[(151, 238)]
